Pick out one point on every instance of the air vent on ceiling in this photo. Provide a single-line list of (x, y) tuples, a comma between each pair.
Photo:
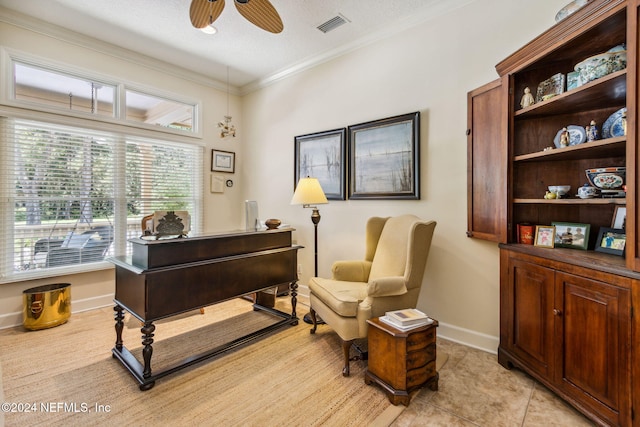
[(333, 23)]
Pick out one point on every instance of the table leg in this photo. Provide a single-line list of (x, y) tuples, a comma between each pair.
[(119, 317), (147, 351), (293, 287)]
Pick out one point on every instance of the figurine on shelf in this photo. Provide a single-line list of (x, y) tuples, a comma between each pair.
[(624, 121), (564, 138), (527, 98), (592, 131)]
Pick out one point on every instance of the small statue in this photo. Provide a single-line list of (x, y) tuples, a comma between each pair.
[(564, 138), (624, 122), (592, 131), (527, 98)]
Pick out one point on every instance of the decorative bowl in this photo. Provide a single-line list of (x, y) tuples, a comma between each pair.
[(592, 68), (560, 190), (272, 223), (611, 178)]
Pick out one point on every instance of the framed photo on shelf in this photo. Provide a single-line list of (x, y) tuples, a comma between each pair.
[(384, 158), (545, 236), (223, 161), (322, 155), (619, 218), (611, 241), (571, 235)]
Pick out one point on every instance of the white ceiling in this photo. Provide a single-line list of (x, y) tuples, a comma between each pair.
[(162, 29)]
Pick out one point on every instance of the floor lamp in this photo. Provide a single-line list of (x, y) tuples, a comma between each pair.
[(308, 194)]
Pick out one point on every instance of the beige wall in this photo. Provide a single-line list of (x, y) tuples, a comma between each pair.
[(429, 68)]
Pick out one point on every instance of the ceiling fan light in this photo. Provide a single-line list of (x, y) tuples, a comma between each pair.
[(209, 29)]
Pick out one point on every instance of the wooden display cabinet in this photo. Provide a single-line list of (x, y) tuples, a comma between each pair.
[(566, 314)]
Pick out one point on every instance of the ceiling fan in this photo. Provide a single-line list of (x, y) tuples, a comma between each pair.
[(259, 12)]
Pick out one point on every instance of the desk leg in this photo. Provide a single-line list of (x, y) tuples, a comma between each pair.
[(293, 287), (147, 352), (119, 317)]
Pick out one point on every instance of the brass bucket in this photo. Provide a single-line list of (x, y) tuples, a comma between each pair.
[(46, 306)]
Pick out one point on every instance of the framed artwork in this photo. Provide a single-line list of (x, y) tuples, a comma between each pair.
[(619, 218), (384, 158), (571, 235), (544, 236), (223, 161), (322, 156), (611, 241)]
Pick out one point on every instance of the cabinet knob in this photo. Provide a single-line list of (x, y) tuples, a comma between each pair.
[(557, 312)]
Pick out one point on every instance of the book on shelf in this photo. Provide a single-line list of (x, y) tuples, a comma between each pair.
[(406, 317), (390, 322)]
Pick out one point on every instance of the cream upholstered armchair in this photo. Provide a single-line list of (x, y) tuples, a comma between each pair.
[(389, 278)]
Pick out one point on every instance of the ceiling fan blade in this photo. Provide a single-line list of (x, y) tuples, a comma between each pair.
[(260, 13), (204, 12)]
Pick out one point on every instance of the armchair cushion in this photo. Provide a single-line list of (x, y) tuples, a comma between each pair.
[(351, 271), (387, 286), (341, 296)]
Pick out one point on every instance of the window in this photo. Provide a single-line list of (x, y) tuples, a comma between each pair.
[(71, 196), (158, 111), (59, 90), (49, 87)]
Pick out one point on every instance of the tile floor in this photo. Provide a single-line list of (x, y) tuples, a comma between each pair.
[(474, 390)]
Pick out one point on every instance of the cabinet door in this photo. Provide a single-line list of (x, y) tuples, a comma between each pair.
[(486, 163), (527, 310), (632, 248), (593, 331)]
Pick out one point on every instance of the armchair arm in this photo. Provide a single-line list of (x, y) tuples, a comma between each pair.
[(351, 271), (387, 286)]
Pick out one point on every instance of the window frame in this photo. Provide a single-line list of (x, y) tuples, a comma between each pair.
[(8, 57), (16, 109)]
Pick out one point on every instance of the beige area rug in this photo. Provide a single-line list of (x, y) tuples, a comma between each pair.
[(68, 377)]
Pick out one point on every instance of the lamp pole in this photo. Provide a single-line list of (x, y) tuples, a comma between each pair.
[(315, 218)]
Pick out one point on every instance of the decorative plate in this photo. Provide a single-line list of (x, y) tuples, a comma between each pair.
[(569, 9), (577, 135), (614, 125)]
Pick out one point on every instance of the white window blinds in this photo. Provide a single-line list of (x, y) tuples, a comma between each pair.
[(72, 196)]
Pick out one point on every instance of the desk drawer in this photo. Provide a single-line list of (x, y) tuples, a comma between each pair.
[(419, 358), (420, 340), (419, 376)]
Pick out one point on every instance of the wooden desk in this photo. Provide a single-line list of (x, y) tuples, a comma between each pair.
[(164, 278), (401, 362)]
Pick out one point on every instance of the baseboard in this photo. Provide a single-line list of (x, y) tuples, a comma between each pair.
[(77, 306), (469, 338)]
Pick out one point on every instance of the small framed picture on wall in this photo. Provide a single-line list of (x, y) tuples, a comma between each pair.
[(223, 161)]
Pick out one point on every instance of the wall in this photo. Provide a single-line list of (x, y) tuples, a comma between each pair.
[(429, 68), (95, 289)]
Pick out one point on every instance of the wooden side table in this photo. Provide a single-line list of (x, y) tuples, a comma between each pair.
[(401, 362)]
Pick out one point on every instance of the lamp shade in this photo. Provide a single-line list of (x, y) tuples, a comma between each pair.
[(309, 192)]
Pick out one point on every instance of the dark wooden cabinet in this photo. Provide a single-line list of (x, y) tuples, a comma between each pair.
[(570, 328), (566, 314)]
